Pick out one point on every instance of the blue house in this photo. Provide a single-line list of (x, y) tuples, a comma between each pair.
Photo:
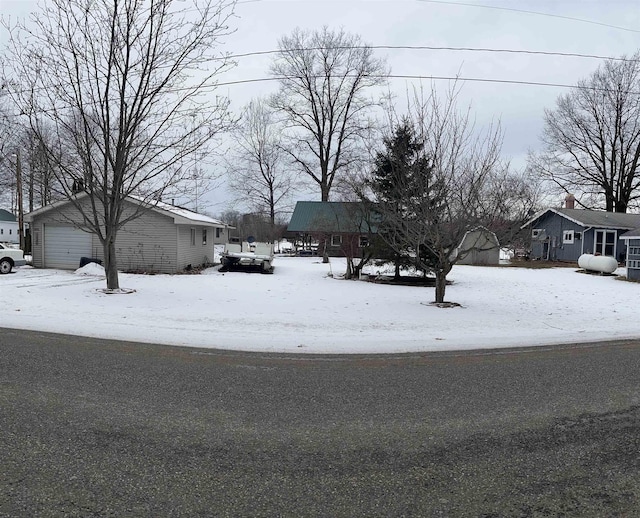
[(567, 233), (632, 240)]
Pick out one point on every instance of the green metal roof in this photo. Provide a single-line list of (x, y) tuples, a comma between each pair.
[(5, 215), (331, 216)]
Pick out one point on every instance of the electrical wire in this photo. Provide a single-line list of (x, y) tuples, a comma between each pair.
[(429, 47), (525, 11)]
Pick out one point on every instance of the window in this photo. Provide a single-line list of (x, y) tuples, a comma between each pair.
[(336, 240), (567, 237), (193, 237), (204, 236), (634, 250), (605, 243), (363, 241), (633, 263), (1, 230), (578, 236), (535, 233), (10, 230), (36, 237), (219, 232)]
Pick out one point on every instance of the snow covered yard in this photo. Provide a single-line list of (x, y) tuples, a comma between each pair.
[(300, 308)]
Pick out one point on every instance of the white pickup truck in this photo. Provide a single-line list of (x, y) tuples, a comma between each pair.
[(9, 258)]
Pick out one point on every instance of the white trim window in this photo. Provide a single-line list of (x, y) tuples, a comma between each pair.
[(363, 241), (204, 237), (336, 239), (535, 233), (605, 242), (193, 237), (568, 237)]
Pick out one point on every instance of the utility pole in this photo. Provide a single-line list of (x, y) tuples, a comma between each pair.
[(19, 193)]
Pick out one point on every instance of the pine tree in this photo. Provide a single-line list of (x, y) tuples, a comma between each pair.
[(402, 183)]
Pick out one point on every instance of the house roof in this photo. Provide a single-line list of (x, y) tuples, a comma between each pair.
[(5, 215), (331, 216), (179, 214), (632, 234), (593, 218), (182, 215)]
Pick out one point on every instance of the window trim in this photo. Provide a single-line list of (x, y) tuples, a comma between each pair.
[(568, 237), (336, 237), (192, 236)]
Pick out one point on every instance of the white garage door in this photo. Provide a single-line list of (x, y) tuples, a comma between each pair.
[(64, 246)]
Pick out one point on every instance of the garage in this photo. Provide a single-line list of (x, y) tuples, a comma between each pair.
[(65, 245)]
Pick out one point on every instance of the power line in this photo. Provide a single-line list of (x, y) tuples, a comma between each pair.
[(429, 47), (537, 13), (439, 78), (404, 76)]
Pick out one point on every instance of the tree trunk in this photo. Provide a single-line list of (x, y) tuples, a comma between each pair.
[(348, 275), (325, 253), (441, 285), (110, 263), (324, 191)]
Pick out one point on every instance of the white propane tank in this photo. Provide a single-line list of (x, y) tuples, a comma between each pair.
[(598, 263)]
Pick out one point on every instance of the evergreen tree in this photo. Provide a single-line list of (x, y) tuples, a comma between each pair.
[(404, 189)]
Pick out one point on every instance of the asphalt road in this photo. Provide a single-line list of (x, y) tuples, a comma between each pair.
[(103, 428)]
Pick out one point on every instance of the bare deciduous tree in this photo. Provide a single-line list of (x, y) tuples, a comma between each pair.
[(592, 138), (257, 172), (324, 78), (511, 198), (441, 192), (118, 94)]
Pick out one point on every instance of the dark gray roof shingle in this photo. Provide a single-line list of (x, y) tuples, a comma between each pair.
[(600, 218)]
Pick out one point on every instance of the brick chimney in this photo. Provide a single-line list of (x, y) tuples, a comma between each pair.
[(570, 201)]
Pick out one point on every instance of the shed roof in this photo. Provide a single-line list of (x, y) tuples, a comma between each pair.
[(5, 215), (593, 218), (180, 215), (332, 216)]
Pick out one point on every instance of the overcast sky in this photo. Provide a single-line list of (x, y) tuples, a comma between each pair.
[(609, 28)]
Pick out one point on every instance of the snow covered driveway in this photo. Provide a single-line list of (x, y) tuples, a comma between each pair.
[(301, 308)]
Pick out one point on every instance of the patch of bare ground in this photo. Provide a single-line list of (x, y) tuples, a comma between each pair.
[(537, 264)]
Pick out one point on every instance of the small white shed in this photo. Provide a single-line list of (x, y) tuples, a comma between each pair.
[(479, 247)]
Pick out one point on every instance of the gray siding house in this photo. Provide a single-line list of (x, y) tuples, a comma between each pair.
[(162, 239), (565, 234), (632, 240)]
